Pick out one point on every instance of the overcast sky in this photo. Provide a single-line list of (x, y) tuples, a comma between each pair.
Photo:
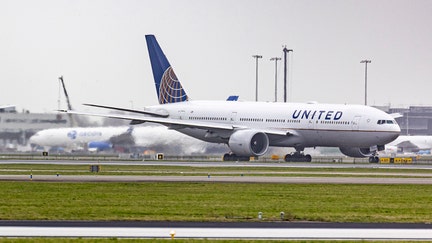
[(99, 48)]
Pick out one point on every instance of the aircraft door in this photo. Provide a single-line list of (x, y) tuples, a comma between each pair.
[(181, 114), (233, 117), (356, 123), (315, 134), (311, 124)]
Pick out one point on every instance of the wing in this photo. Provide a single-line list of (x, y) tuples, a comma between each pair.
[(151, 113), (177, 124)]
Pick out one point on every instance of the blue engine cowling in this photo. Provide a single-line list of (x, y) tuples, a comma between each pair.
[(99, 146)]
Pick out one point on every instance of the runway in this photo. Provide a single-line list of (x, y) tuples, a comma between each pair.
[(188, 230), (272, 164)]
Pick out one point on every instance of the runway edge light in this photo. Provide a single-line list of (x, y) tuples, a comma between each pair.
[(172, 234)]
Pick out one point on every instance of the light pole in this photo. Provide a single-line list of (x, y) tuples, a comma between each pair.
[(366, 63), (276, 59), (285, 50), (256, 70)]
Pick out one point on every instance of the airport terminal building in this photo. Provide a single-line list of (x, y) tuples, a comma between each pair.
[(415, 120), (16, 128)]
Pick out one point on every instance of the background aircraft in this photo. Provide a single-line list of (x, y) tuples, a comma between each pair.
[(410, 144), (152, 138), (78, 138)]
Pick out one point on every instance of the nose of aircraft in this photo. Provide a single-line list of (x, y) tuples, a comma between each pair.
[(393, 136), (393, 125), (394, 131), (34, 139), (397, 128)]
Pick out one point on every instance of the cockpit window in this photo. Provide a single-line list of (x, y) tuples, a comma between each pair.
[(386, 122)]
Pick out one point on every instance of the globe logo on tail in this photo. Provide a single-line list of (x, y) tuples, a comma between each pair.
[(170, 89)]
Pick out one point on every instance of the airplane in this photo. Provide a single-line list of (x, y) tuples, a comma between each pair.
[(7, 108), (419, 144), (250, 128), (155, 137), (76, 138)]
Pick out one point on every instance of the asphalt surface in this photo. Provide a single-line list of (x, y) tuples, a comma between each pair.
[(209, 230), (210, 179), (274, 164), (178, 224)]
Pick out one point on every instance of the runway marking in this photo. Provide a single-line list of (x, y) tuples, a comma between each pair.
[(219, 233)]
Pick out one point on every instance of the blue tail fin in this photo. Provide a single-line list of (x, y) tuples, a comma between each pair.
[(168, 87)]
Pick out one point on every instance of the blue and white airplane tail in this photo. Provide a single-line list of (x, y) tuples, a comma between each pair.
[(168, 87)]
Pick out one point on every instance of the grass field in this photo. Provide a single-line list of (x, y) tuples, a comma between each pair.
[(214, 202)]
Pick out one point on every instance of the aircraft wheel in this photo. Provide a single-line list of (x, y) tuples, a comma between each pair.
[(298, 157), (243, 158), (228, 157), (373, 159)]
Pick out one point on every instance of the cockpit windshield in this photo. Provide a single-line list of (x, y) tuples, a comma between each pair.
[(380, 122)]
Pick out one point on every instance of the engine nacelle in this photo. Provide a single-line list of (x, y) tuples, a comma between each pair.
[(356, 152), (248, 143), (99, 146)]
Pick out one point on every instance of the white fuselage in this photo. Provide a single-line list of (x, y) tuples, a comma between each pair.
[(147, 136), (329, 125), (77, 136)]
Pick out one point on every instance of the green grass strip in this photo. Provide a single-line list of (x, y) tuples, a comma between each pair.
[(214, 202)]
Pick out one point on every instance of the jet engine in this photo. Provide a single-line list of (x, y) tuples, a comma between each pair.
[(356, 152), (99, 146), (248, 143)]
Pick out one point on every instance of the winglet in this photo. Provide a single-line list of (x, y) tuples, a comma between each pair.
[(168, 87)]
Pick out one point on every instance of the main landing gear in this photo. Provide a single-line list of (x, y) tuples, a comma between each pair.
[(234, 157), (298, 157)]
